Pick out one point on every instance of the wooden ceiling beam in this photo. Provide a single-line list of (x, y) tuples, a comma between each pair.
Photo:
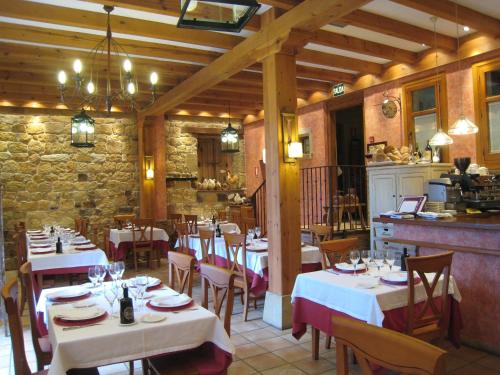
[(327, 59), (398, 29), (282, 4), (91, 20), (332, 76), (214, 109), (449, 10)]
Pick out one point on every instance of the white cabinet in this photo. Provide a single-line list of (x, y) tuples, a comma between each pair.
[(388, 185)]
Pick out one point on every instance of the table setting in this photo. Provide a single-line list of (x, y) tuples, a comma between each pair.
[(163, 321), (120, 241), (224, 225)]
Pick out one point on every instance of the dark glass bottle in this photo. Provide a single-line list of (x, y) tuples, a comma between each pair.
[(213, 219), (59, 246), (126, 308), (403, 257), (428, 152), (52, 231), (218, 233)]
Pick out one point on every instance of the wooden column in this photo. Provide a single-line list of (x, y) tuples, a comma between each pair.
[(282, 189), (151, 142)]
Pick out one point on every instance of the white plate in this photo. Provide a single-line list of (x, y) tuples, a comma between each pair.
[(398, 277), (34, 231), (349, 266), (70, 313), (153, 281), (68, 293), (80, 242), (42, 250), (86, 246), (83, 304), (153, 318), (171, 301)]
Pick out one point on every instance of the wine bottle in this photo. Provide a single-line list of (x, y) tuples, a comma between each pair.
[(59, 246), (213, 219), (52, 231), (217, 231), (428, 152), (403, 257), (126, 308)]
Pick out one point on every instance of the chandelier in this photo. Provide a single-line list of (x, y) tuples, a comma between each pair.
[(87, 88)]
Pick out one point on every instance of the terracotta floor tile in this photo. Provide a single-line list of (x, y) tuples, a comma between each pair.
[(238, 340), (490, 361), (244, 327), (275, 343), (249, 350), (312, 367), (474, 369), (467, 353), (284, 370), (265, 361), (293, 353), (240, 368), (453, 362), (259, 334)]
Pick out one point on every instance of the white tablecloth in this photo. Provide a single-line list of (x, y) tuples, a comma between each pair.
[(109, 342), (68, 259), (224, 227), (256, 261), (343, 293), (125, 235)]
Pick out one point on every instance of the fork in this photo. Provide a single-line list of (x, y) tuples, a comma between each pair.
[(83, 326), (180, 311)]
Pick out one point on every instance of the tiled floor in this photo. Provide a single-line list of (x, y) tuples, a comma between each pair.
[(262, 349)]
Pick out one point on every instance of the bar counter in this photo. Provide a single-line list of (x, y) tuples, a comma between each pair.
[(475, 239)]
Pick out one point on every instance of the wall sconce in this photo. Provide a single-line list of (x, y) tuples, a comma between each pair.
[(292, 148), (264, 155), (149, 167)]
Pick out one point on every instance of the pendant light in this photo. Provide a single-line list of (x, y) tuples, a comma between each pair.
[(440, 138), (463, 125), (229, 137)]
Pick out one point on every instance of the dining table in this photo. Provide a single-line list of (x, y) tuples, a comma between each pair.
[(121, 242), (225, 226), (366, 296), (257, 259), (77, 256), (104, 340)]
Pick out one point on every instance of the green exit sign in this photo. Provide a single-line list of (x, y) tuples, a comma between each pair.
[(338, 89)]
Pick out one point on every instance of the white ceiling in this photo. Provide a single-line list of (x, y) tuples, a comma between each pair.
[(489, 7)]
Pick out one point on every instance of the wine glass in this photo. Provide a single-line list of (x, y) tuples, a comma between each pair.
[(111, 294), (101, 273), (354, 256), (141, 282), (113, 272), (251, 235), (390, 259), (93, 276), (378, 258), (366, 257), (120, 269), (258, 232)]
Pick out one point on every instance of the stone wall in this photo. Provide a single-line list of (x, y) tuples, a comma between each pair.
[(181, 157), (47, 180)]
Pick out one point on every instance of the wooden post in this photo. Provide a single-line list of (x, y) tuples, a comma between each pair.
[(282, 190)]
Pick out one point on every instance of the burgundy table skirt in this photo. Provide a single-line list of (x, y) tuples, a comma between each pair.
[(320, 317), (124, 247)]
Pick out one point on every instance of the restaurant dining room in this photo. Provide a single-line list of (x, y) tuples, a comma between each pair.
[(244, 187)]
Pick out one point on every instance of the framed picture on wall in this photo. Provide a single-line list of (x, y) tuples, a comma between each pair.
[(306, 139), (372, 148)]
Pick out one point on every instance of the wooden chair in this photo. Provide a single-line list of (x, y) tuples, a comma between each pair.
[(94, 235), (82, 226), (383, 347), (218, 280), (181, 269), (430, 322), (19, 226), (21, 258), (120, 220), (182, 237), (336, 251), (320, 233), (221, 215), (41, 342), (207, 242), (248, 223), (176, 218), (234, 244), (192, 222), (142, 240), (106, 232)]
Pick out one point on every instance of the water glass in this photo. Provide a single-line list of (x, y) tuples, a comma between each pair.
[(258, 232), (366, 257), (120, 269), (354, 256), (390, 259), (112, 270), (93, 276), (101, 273), (378, 258), (111, 294), (141, 283)]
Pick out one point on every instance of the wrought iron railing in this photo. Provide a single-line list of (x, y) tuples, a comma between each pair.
[(259, 205)]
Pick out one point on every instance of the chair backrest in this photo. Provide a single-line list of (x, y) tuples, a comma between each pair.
[(192, 222), (248, 223), (336, 251), (122, 219), (432, 312), (21, 225), (236, 249), (10, 298), (181, 270), (93, 234), (207, 242), (176, 218), (142, 232), (21, 247), (387, 348), (106, 231), (221, 282), (82, 226), (320, 233), (183, 237), (222, 215), (31, 297)]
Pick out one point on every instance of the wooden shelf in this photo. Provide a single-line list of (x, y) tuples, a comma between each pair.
[(220, 191), (181, 178)]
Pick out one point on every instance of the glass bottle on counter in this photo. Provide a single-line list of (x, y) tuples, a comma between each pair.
[(218, 233), (59, 249), (403, 257), (126, 307)]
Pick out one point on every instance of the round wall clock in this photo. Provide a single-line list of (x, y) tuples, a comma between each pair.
[(389, 108)]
